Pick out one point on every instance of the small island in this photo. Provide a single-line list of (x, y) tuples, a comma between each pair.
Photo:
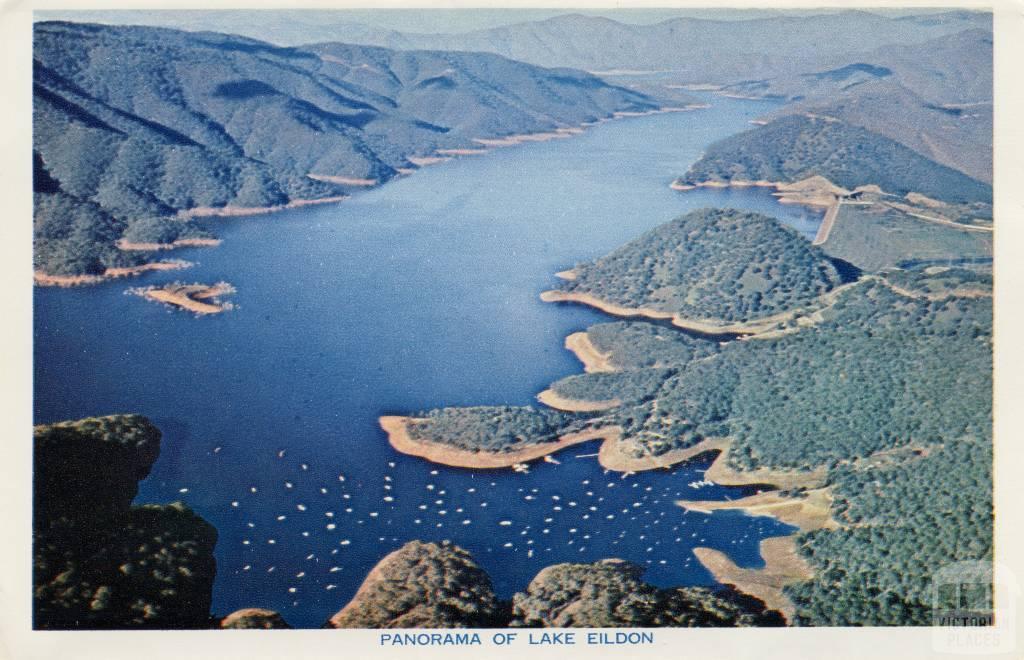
[(202, 299)]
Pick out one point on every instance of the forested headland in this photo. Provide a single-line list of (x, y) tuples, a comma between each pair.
[(130, 144)]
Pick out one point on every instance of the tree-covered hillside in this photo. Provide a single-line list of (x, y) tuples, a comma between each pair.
[(796, 147), (871, 393), (712, 264), (867, 391), (901, 522), (632, 345), (934, 97), (489, 428), (134, 123), (97, 561)]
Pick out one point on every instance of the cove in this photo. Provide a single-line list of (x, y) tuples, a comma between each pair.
[(418, 294)]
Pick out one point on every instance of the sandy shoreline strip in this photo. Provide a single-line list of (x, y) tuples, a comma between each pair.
[(721, 473), (423, 161), (783, 563), (554, 400), (521, 138), (783, 566), (129, 246), (462, 152), (397, 429), (815, 191), (232, 211), (45, 279), (344, 180), (702, 326), (806, 513), (593, 360), (569, 131), (615, 456)]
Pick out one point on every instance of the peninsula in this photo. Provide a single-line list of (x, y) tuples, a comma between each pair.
[(853, 354)]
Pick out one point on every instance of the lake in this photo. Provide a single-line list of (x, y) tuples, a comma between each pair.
[(418, 294)]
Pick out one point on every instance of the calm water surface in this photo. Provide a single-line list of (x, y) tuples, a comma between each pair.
[(419, 294)]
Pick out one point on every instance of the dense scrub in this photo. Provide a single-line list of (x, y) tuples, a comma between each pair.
[(876, 374), (902, 523), (874, 377), (424, 585), (132, 123), (634, 386), (711, 264), (610, 593), (490, 428), (639, 345), (98, 562), (868, 391), (163, 231), (941, 281)]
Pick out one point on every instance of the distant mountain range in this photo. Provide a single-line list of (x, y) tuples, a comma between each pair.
[(132, 123), (924, 80), (698, 48), (137, 124)]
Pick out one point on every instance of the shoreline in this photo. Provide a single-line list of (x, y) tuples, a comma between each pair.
[(815, 191), (129, 246), (700, 326), (783, 565), (44, 279), (396, 428), (612, 456), (594, 361), (554, 400), (64, 281), (191, 297), (235, 211), (806, 513), (564, 132), (722, 474), (344, 180)]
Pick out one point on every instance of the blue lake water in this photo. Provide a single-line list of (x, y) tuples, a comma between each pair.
[(418, 294)]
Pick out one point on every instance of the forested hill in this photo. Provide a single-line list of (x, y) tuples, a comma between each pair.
[(132, 123), (934, 97), (681, 268), (798, 146)]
